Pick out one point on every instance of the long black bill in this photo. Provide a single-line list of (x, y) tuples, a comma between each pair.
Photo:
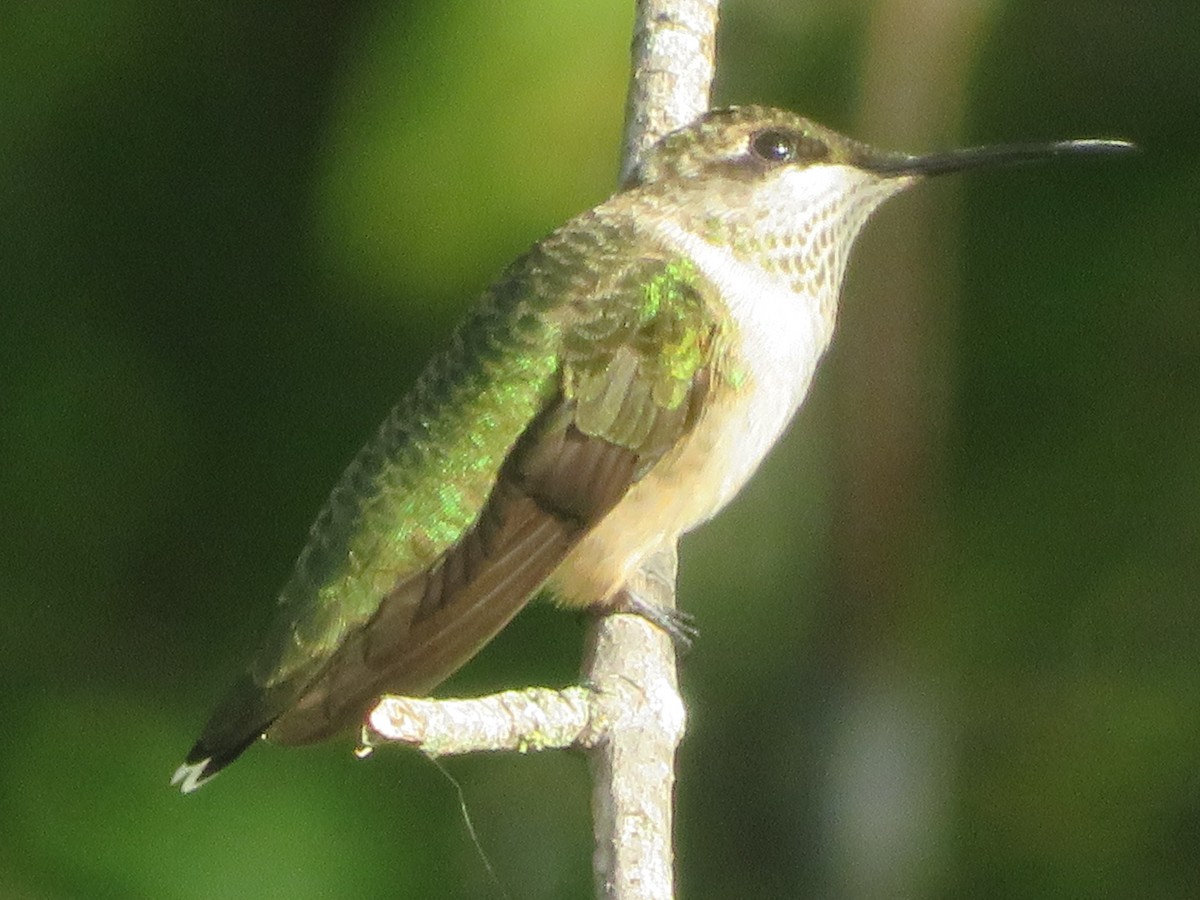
[(986, 157)]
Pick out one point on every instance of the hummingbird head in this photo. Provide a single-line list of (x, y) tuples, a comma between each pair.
[(791, 195), (750, 142)]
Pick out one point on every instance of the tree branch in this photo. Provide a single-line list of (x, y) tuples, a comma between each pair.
[(674, 58), (630, 717), (632, 665)]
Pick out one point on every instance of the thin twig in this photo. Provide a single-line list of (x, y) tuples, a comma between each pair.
[(632, 663)]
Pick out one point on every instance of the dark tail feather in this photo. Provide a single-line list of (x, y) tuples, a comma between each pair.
[(203, 764)]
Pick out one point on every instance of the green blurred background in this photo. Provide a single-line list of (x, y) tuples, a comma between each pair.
[(949, 634)]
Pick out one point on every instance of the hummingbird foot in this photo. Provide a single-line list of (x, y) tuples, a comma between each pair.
[(679, 626)]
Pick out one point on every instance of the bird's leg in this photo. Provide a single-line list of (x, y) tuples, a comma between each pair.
[(655, 578), (679, 625)]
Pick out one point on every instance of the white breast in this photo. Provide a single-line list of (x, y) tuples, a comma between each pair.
[(778, 337)]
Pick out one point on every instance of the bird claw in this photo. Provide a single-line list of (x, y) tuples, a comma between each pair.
[(679, 626)]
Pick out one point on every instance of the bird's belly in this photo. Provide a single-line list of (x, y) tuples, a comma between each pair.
[(686, 488)]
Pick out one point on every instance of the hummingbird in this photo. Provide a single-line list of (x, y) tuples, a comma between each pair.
[(613, 389)]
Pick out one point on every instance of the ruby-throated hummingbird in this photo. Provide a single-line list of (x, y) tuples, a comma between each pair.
[(615, 388)]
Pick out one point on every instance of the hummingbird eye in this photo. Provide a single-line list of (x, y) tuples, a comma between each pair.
[(774, 146), (777, 145)]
